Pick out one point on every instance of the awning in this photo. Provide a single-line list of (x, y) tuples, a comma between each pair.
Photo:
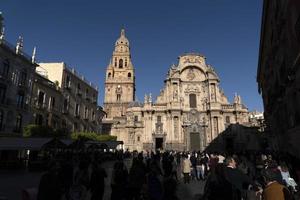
[(23, 143), (104, 145), (20, 143)]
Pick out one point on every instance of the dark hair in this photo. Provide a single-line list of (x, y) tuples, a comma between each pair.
[(269, 175), (228, 160)]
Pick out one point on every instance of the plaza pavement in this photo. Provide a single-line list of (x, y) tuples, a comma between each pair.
[(13, 181)]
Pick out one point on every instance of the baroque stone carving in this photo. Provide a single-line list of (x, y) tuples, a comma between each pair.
[(192, 89), (191, 74), (192, 59)]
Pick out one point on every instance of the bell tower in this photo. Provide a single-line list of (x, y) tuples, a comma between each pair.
[(119, 80)]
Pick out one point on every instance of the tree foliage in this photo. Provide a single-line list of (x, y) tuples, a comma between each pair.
[(92, 136), (33, 130)]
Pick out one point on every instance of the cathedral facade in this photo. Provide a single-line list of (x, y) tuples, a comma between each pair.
[(190, 111)]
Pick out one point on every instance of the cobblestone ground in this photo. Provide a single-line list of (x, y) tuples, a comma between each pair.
[(12, 182)]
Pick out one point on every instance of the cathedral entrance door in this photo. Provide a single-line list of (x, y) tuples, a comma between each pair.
[(195, 141), (159, 143)]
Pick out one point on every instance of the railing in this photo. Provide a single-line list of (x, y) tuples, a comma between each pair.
[(13, 49), (227, 107), (81, 77), (40, 105)]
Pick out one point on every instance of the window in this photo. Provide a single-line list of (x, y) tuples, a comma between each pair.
[(158, 119), (87, 93), (77, 110), (78, 89), (64, 123), (1, 119), (39, 119), (138, 138), (109, 75), (18, 123), (115, 62), (93, 115), (227, 120), (121, 63), (118, 97), (66, 105), (41, 97), (68, 82), (86, 113), (129, 75), (75, 126), (193, 101), (136, 118), (52, 103), (2, 93), (22, 80), (5, 69), (125, 62), (20, 99)]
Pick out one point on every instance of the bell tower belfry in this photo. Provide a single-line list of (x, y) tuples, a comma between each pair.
[(119, 80)]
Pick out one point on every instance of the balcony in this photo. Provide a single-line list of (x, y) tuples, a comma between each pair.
[(65, 111), (79, 93), (87, 97), (53, 109), (40, 106), (67, 86), (4, 77), (86, 118), (22, 85)]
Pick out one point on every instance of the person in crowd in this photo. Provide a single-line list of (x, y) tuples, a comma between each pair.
[(213, 161), (186, 169), (217, 187), (82, 174), (119, 181), (66, 176), (153, 188), (170, 188), (274, 190), (193, 160), (285, 174), (97, 184), (137, 175), (78, 191), (50, 187), (174, 168), (166, 164), (239, 181)]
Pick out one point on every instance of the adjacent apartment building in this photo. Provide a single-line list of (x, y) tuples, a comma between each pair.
[(16, 81), (278, 74), (78, 101)]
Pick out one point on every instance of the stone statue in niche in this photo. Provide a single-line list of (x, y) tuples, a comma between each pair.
[(131, 137), (119, 89), (175, 96), (236, 99)]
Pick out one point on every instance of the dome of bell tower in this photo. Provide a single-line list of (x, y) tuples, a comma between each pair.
[(122, 39)]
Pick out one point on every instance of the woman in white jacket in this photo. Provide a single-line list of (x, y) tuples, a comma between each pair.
[(186, 169)]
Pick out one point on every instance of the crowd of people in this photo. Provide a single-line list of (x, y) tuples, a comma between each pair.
[(156, 175)]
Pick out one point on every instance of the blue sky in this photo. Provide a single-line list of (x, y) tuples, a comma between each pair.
[(82, 34)]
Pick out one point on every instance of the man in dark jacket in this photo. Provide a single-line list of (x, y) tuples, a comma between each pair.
[(240, 182), (97, 182), (50, 186)]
